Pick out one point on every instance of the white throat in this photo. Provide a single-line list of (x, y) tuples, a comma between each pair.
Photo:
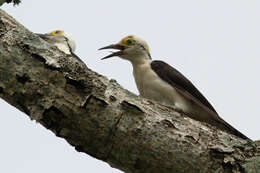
[(65, 43), (70, 41), (140, 60)]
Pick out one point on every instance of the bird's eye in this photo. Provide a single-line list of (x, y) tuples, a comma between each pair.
[(129, 42), (57, 33)]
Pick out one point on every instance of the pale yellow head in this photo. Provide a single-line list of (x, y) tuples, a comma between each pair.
[(135, 42), (61, 39), (56, 33), (131, 48)]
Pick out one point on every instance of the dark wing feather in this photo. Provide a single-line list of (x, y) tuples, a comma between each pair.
[(176, 79), (185, 87)]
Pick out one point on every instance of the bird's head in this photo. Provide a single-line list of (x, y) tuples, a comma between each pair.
[(59, 36), (57, 33), (131, 48)]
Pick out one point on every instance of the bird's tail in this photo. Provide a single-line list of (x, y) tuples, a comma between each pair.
[(204, 114), (223, 125)]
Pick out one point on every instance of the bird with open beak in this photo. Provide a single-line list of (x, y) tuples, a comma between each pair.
[(130, 48), (160, 82)]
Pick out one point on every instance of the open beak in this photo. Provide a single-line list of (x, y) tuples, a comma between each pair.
[(119, 47)]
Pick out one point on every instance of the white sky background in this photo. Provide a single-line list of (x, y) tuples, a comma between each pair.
[(214, 43)]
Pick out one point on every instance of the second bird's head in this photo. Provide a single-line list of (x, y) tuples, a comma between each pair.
[(59, 36), (131, 48)]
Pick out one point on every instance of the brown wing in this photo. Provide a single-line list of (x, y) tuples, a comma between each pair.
[(176, 79), (187, 89)]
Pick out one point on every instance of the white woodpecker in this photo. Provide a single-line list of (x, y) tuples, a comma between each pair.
[(160, 82), (62, 40)]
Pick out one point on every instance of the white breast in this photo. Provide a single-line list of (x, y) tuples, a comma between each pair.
[(152, 87), (63, 47)]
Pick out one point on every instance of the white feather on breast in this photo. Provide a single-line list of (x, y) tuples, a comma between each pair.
[(63, 47), (152, 87)]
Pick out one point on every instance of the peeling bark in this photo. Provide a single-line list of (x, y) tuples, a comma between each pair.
[(100, 118)]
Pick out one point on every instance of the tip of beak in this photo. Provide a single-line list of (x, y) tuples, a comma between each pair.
[(119, 53), (113, 46), (43, 36), (106, 47), (39, 34)]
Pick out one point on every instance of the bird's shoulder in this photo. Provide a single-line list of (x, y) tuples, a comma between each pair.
[(176, 79)]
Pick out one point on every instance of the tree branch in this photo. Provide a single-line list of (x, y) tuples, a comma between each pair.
[(98, 117)]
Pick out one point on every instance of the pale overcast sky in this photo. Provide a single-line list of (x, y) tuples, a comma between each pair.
[(214, 43)]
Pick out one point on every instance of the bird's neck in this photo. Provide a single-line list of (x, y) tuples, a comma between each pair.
[(140, 60), (71, 43)]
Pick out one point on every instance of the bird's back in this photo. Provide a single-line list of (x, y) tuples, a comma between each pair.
[(199, 107)]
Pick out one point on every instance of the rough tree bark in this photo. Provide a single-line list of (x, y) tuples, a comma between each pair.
[(98, 117)]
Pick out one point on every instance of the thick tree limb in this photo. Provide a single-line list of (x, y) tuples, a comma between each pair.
[(100, 118)]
